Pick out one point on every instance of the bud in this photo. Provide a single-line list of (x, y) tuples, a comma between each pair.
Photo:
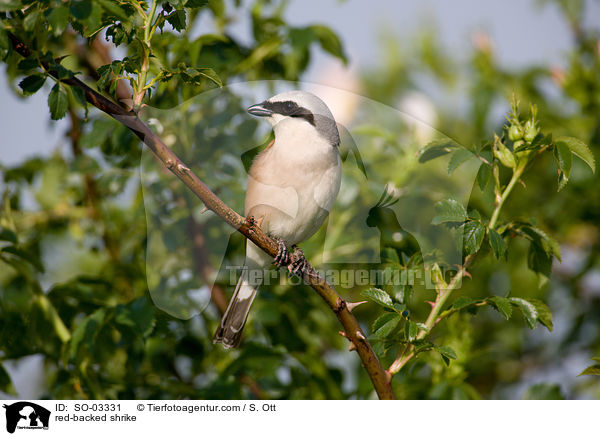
[(515, 132), (503, 154), (530, 131)]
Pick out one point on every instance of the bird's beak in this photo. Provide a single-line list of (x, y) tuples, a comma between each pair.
[(259, 110)]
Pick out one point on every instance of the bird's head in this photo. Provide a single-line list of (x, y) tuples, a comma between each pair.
[(297, 111)]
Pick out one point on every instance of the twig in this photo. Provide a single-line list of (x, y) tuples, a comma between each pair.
[(379, 377), (432, 319)]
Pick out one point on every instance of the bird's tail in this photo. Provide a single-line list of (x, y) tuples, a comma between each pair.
[(229, 332)]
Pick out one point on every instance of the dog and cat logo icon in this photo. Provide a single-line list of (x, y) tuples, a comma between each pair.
[(26, 415)]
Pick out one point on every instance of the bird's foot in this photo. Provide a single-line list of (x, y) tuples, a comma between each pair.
[(283, 255), (299, 265)]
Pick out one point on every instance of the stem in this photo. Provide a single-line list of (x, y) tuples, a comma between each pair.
[(442, 297), (432, 319), (140, 90), (379, 377), (514, 179), (148, 23)]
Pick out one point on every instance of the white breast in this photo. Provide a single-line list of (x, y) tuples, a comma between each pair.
[(293, 184)]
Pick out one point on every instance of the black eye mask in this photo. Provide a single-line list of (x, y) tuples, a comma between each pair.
[(290, 109)]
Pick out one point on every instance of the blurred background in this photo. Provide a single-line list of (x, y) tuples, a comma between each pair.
[(113, 299)]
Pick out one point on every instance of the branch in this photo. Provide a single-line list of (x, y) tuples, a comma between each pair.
[(433, 318), (379, 377), (443, 293)]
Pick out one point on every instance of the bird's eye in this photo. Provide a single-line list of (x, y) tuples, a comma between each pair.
[(289, 105)]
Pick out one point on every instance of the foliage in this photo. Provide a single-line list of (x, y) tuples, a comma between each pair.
[(82, 259)]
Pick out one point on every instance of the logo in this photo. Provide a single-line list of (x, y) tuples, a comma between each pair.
[(26, 415)]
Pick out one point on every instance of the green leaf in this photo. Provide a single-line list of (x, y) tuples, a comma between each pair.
[(58, 102), (437, 148), (503, 305), (421, 345), (8, 235), (383, 319), (473, 235), (591, 370), (449, 211), (564, 161), (484, 175), (462, 302), (497, 243), (447, 353), (81, 9), (475, 215), (85, 333), (528, 309), (31, 19), (31, 84), (390, 255), (540, 262), (578, 148), (195, 75), (548, 244), (10, 5), (378, 296), (458, 158), (385, 325), (411, 330), (93, 12), (113, 8), (79, 96), (543, 312), (196, 3), (177, 19), (33, 260), (138, 315), (58, 19), (329, 41), (28, 64)]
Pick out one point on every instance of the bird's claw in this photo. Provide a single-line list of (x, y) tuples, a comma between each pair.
[(283, 255), (300, 265)]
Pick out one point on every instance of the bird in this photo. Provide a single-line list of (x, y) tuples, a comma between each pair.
[(292, 186)]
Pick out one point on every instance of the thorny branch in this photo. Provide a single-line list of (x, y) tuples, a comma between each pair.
[(379, 377)]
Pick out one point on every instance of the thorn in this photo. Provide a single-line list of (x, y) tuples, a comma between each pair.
[(182, 168), (204, 209), (360, 335), (522, 183), (351, 306), (352, 346), (342, 334), (467, 274), (431, 303), (170, 163)]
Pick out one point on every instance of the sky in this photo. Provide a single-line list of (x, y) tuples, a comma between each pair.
[(523, 32)]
